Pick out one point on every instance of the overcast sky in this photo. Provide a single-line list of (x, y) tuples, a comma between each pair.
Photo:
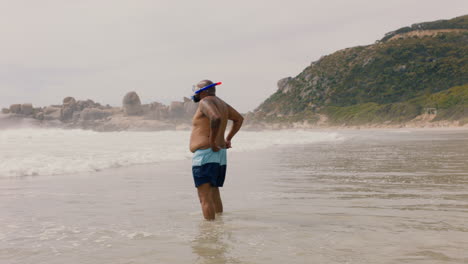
[(101, 49)]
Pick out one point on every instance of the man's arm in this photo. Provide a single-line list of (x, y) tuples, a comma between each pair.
[(237, 120), (210, 110)]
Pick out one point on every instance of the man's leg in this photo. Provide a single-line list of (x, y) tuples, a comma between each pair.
[(206, 201), (216, 196)]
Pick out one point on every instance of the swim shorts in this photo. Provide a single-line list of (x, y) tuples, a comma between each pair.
[(209, 167)]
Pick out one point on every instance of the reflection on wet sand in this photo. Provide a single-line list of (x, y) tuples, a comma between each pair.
[(210, 244)]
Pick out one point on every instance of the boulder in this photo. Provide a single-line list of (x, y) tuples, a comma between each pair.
[(68, 107), (94, 114), (52, 113), (26, 109), (162, 113), (131, 104), (39, 115), (145, 109), (69, 101), (5, 110), (176, 110), (76, 116), (80, 105), (51, 109), (156, 111), (284, 86), (15, 109), (189, 108), (66, 113)]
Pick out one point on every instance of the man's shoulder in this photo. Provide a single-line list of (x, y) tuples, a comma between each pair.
[(221, 101)]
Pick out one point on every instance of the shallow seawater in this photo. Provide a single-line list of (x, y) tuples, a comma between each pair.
[(38, 152), (373, 197)]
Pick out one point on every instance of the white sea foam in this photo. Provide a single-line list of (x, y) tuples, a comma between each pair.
[(27, 152)]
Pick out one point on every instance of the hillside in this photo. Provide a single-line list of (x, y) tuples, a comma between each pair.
[(458, 23), (374, 83)]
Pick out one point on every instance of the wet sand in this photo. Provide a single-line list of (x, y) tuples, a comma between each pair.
[(376, 197)]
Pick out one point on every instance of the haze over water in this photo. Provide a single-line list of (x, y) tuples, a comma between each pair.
[(342, 197)]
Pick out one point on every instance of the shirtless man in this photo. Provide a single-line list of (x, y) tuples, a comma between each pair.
[(209, 146)]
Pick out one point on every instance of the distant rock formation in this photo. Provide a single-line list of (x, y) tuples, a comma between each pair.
[(87, 114), (176, 110), (52, 113), (131, 104), (26, 109), (15, 109), (94, 114), (68, 107), (189, 108)]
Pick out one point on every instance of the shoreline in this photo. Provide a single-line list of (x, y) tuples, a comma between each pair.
[(176, 166), (176, 162), (427, 124), (16, 122)]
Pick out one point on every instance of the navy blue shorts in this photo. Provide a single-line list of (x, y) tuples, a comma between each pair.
[(209, 167)]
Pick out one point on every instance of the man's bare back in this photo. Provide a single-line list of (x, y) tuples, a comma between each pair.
[(201, 124), (209, 145)]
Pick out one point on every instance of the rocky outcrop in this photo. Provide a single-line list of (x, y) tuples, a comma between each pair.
[(67, 101), (94, 114), (20, 109), (132, 123), (364, 82), (189, 108), (156, 111), (425, 33), (26, 109), (176, 110), (283, 85), (80, 105), (68, 107), (131, 104), (52, 113), (15, 109), (87, 114), (39, 115)]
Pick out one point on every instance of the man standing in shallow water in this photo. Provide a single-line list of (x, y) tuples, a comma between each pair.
[(209, 146)]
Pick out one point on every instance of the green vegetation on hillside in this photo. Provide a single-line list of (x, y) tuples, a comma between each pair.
[(407, 68), (451, 104), (386, 81)]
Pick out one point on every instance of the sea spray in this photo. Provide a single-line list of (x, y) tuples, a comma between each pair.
[(31, 152)]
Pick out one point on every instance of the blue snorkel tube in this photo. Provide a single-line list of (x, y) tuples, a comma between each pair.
[(203, 89)]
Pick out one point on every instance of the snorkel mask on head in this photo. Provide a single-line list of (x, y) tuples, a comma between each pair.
[(196, 91)]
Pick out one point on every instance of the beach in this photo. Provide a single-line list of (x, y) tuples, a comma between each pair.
[(374, 196)]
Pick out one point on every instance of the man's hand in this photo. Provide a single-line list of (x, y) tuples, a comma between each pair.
[(228, 144)]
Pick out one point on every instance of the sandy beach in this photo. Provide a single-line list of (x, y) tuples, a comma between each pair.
[(396, 196)]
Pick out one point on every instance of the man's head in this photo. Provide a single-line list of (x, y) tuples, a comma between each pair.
[(207, 92)]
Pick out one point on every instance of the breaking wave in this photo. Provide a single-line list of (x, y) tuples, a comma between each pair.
[(30, 152)]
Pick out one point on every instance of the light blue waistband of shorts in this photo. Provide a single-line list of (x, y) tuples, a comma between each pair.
[(203, 156)]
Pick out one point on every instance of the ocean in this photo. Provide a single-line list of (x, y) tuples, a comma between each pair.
[(371, 196), (35, 152)]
